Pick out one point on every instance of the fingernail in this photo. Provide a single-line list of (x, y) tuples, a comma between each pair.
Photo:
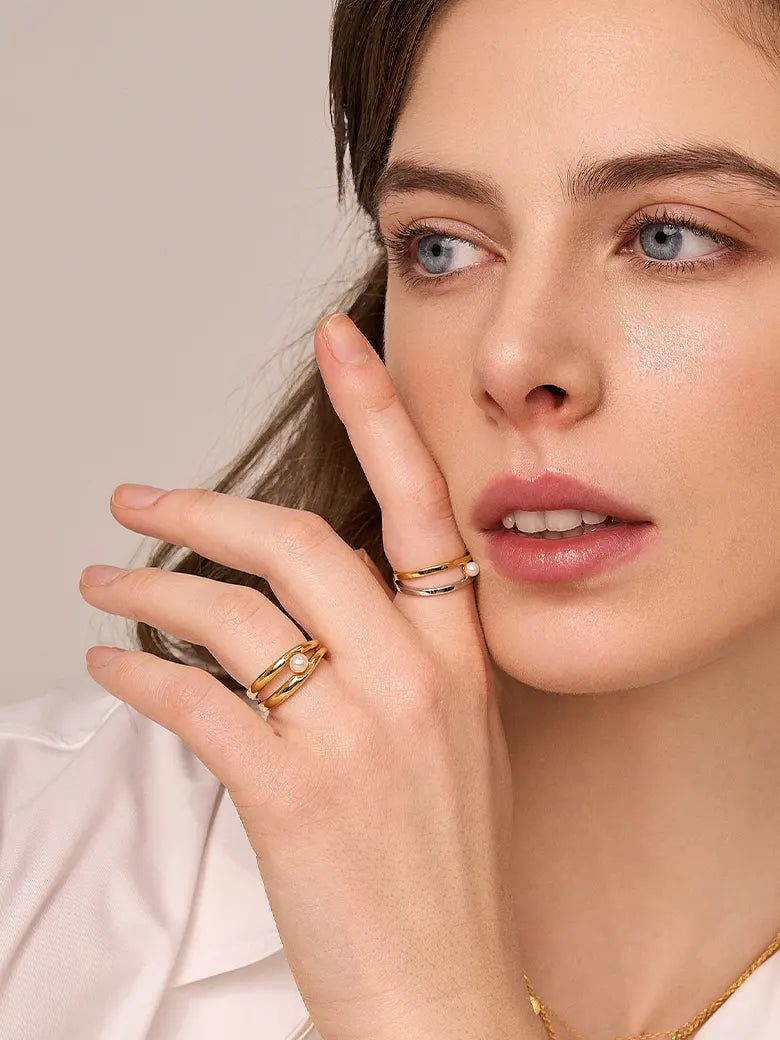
[(344, 341), (98, 656), (136, 496), (100, 575)]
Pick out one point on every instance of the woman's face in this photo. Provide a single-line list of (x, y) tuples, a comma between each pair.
[(670, 371)]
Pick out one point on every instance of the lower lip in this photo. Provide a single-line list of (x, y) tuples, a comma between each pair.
[(566, 559)]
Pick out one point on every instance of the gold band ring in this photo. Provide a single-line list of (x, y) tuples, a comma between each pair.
[(469, 569), (301, 665)]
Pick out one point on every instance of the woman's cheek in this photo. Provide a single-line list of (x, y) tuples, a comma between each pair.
[(453, 309), (430, 344), (428, 336)]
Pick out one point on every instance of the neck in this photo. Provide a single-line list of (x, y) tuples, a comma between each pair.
[(647, 839)]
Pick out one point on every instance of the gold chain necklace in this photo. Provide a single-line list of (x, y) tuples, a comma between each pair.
[(544, 1011)]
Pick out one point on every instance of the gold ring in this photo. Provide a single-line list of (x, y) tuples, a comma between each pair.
[(469, 569), (301, 665)]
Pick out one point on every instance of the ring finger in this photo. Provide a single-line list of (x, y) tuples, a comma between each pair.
[(241, 628)]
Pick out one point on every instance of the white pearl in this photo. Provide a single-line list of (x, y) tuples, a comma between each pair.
[(471, 568), (298, 663)]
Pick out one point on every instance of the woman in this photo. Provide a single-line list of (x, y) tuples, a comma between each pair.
[(548, 793)]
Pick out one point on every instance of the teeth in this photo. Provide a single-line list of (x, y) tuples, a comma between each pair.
[(559, 520), (592, 518)]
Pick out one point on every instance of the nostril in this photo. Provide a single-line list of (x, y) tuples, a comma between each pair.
[(542, 391)]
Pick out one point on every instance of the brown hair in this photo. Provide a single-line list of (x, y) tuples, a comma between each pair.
[(755, 22), (302, 456)]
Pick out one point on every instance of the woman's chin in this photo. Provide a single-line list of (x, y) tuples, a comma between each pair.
[(589, 660)]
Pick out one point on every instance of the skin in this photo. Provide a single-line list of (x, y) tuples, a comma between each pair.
[(611, 813), (641, 706), (378, 805)]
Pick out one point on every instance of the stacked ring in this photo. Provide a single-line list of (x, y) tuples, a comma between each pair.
[(469, 569), (302, 666), (298, 662)]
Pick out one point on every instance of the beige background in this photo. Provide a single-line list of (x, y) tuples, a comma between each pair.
[(169, 220)]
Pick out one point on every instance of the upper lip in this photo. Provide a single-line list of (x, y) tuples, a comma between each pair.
[(550, 490)]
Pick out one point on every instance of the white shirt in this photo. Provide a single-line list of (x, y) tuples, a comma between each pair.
[(131, 905)]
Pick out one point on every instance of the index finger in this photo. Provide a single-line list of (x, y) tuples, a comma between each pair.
[(418, 526)]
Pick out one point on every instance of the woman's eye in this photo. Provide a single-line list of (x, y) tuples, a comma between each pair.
[(666, 243), (443, 254), (678, 244), (672, 242)]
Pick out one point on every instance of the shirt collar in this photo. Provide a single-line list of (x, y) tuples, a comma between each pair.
[(752, 1011)]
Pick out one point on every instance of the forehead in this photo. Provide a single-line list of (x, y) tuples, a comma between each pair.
[(523, 88)]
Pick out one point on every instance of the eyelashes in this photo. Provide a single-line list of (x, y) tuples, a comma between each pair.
[(400, 244)]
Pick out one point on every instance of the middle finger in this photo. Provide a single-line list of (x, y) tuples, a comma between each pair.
[(242, 628), (314, 574)]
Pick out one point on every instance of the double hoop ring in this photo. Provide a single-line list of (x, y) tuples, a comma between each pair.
[(301, 665), (469, 569)]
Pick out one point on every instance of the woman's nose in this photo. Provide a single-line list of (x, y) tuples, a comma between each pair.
[(534, 368)]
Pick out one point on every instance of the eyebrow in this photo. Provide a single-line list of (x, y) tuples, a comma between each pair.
[(588, 179)]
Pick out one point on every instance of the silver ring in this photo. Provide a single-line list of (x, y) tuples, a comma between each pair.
[(469, 569), (401, 587)]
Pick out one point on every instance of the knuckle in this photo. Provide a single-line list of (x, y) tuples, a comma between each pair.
[(434, 496), (386, 397), (415, 697), (411, 710), (144, 580), (183, 694), (234, 607), (196, 505), (358, 738), (128, 669), (304, 533)]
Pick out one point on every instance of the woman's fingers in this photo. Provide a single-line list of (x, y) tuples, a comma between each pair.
[(227, 735), (242, 628), (315, 575), (418, 526), (332, 595), (390, 593)]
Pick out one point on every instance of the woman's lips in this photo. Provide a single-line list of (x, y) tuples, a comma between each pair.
[(551, 490), (566, 559)]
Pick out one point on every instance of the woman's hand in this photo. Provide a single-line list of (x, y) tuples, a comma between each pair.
[(378, 797)]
